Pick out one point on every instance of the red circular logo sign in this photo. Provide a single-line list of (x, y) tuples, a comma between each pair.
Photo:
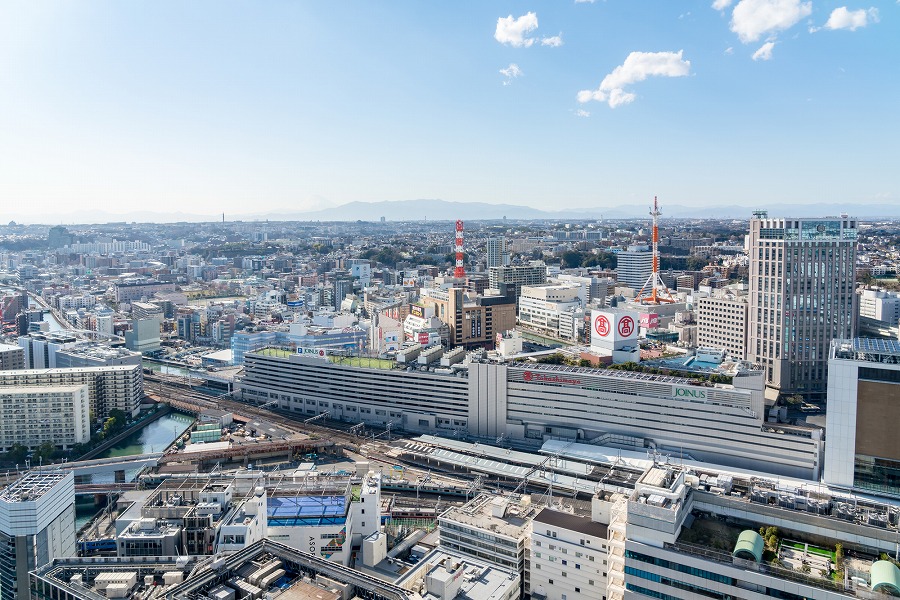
[(527, 376), (626, 326), (601, 326)]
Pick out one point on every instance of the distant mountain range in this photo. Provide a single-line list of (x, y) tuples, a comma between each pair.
[(442, 210)]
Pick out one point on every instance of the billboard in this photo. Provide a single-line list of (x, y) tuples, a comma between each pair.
[(316, 352), (423, 338), (417, 310), (610, 328), (649, 320)]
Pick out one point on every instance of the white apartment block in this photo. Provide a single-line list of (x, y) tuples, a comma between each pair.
[(568, 557), (722, 324), (71, 302), (32, 416), (541, 307), (118, 386)]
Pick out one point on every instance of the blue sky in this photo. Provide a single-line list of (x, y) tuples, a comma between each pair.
[(249, 107)]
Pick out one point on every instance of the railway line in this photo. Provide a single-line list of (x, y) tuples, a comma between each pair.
[(175, 391)]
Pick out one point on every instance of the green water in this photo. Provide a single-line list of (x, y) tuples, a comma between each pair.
[(155, 437)]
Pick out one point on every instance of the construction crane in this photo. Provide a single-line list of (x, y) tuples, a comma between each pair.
[(654, 290)]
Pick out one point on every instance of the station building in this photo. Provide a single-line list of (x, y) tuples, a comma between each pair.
[(721, 423)]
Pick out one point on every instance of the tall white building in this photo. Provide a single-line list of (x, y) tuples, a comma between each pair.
[(722, 324), (34, 415), (634, 267), (802, 295), (37, 525), (497, 252)]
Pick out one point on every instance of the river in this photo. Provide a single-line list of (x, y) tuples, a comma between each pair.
[(155, 437)]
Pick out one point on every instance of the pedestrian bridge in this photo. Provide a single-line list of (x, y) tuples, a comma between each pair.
[(111, 465)]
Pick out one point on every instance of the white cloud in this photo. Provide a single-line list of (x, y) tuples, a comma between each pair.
[(592, 1), (510, 72), (721, 4), (764, 52), (841, 18), (553, 42), (513, 31), (752, 19), (582, 113), (637, 67), (729, 50)]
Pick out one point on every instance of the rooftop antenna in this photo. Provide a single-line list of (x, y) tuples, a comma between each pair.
[(655, 291)]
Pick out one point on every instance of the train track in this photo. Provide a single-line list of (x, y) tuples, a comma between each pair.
[(174, 389)]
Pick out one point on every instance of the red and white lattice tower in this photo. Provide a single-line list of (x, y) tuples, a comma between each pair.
[(655, 291), (460, 270)]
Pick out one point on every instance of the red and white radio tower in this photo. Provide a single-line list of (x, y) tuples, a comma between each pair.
[(655, 291), (460, 271)]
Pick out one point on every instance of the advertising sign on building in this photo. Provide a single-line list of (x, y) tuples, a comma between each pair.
[(424, 338), (417, 310), (649, 320), (613, 328), (316, 352)]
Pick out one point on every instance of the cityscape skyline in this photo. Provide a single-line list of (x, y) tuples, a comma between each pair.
[(298, 107)]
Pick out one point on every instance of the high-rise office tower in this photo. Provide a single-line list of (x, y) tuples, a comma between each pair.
[(634, 266), (497, 252), (802, 280), (37, 524)]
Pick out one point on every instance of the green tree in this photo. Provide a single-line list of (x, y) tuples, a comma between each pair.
[(44, 453), (109, 428), (17, 453), (571, 259), (120, 416)]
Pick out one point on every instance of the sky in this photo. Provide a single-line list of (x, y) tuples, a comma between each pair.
[(253, 107)]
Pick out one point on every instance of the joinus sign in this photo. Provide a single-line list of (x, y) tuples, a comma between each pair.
[(689, 393)]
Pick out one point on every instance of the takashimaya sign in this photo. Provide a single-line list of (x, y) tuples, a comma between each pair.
[(534, 377)]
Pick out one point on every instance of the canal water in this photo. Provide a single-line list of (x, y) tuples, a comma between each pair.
[(155, 437)]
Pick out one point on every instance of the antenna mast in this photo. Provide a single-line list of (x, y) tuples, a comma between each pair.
[(655, 291)]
